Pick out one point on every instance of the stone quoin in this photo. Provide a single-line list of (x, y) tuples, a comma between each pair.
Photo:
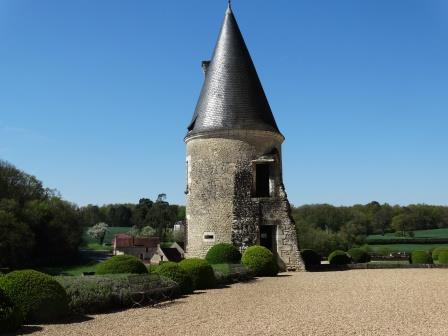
[(235, 192)]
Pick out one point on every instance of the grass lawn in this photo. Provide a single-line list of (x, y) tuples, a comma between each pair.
[(433, 233), (97, 247), (405, 247), (70, 270)]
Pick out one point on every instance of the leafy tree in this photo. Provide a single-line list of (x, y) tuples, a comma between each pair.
[(98, 231), (147, 231)]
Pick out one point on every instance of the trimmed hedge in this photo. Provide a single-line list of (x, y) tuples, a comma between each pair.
[(230, 273), (121, 264), (200, 271), (420, 257), (104, 293), (359, 255), (443, 257), (310, 257), (339, 257), (223, 254), (11, 317), (38, 296), (260, 261), (173, 271), (436, 252)]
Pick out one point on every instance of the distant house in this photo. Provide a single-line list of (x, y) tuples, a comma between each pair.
[(146, 249)]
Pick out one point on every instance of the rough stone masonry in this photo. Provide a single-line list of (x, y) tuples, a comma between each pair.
[(235, 191)]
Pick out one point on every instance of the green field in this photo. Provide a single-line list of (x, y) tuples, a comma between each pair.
[(434, 233), (70, 270), (109, 235), (405, 247)]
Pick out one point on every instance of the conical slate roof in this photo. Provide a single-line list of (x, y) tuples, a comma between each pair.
[(232, 96)]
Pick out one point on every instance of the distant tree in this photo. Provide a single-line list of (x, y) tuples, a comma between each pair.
[(119, 215), (140, 212), (98, 231), (147, 231), (16, 241), (91, 214)]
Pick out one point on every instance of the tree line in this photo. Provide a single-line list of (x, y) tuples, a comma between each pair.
[(38, 227), (324, 227)]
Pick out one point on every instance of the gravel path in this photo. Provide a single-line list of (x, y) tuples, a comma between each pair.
[(358, 302)]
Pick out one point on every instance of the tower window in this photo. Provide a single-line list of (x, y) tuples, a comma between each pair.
[(209, 236), (262, 180)]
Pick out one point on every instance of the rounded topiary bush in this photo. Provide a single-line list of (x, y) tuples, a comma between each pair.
[(223, 254), (39, 297), (359, 255), (173, 271), (436, 252), (420, 257), (310, 257), (200, 271), (260, 261), (11, 317), (443, 257), (339, 257), (121, 264)]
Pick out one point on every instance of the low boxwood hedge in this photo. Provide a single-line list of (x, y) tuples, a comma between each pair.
[(11, 318), (173, 271), (38, 296), (310, 258), (358, 255), (121, 264), (436, 252), (260, 261), (339, 257), (104, 293), (420, 257), (223, 254), (443, 257), (200, 271)]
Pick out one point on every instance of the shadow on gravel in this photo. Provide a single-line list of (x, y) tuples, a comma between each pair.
[(26, 330), (72, 319)]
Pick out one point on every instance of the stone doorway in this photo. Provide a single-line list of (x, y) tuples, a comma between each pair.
[(267, 237)]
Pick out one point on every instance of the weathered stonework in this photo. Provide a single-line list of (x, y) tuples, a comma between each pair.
[(220, 200)]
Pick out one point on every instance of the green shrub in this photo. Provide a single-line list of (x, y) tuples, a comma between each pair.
[(104, 293), (260, 261), (358, 255), (200, 271), (223, 254), (230, 273), (11, 317), (436, 252), (38, 296), (152, 268), (443, 257), (121, 264), (420, 257), (310, 257), (173, 271), (339, 257)]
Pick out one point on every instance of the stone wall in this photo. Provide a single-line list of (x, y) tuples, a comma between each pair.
[(220, 200)]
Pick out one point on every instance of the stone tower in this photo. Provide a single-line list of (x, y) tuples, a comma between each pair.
[(235, 191)]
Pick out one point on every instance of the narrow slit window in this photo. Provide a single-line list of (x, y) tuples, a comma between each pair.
[(262, 180)]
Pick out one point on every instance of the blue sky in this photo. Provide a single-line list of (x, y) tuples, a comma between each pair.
[(95, 95)]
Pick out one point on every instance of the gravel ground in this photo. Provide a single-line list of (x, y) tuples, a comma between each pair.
[(358, 302)]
